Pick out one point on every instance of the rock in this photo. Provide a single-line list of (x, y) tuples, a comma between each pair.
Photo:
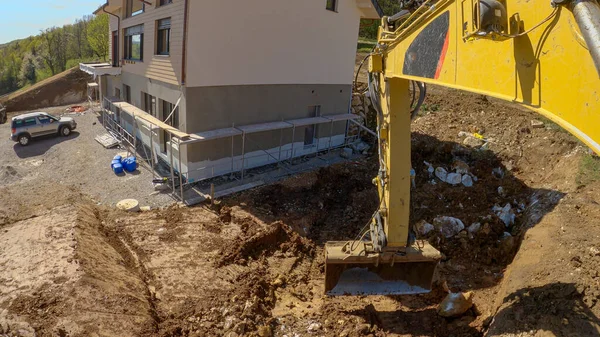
[(453, 178), (229, 322), (537, 124), (467, 181), (448, 226), (346, 153), (498, 173), (474, 228), (231, 334), (345, 333), (356, 101), (460, 167), (265, 331), (487, 229), (360, 147), (501, 191), (314, 327), (594, 251), (423, 228), (455, 304), (430, 168), (145, 208), (473, 142), (505, 214), (240, 328), (278, 282), (507, 243), (441, 173)]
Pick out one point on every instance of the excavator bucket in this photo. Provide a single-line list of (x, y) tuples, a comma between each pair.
[(350, 270)]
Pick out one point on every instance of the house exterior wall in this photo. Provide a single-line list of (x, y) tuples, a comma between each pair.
[(248, 62), (167, 69), (271, 42)]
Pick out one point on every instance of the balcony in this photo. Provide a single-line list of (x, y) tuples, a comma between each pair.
[(100, 69)]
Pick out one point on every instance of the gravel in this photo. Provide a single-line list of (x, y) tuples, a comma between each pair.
[(77, 163)]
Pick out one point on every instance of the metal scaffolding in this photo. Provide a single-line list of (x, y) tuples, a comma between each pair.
[(112, 119)]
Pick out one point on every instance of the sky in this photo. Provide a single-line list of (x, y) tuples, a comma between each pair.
[(23, 18)]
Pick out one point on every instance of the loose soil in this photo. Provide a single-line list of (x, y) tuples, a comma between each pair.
[(253, 264)]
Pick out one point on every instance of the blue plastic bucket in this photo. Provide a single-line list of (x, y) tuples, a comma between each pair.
[(117, 157), (118, 168), (114, 162)]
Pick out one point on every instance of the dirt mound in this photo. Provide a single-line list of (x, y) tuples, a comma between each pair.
[(277, 237), (68, 87)]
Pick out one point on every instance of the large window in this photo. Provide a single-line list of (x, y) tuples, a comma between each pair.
[(167, 108), (163, 37), (127, 92), (164, 2), (134, 7), (331, 5), (149, 104), (134, 43)]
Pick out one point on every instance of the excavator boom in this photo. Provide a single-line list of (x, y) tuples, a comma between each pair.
[(540, 54)]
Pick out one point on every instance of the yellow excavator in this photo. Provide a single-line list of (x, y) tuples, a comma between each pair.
[(541, 54)]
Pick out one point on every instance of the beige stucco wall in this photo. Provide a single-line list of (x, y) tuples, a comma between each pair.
[(162, 68), (271, 42)]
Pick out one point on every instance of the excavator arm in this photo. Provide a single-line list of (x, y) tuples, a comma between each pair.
[(540, 54)]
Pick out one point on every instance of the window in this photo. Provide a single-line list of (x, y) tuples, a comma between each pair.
[(167, 108), (134, 43), (331, 5), (164, 2), (115, 48), (134, 7), (118, 92), (30, 122), (44, 119), (149, 104), (163, 37), (127, 92)]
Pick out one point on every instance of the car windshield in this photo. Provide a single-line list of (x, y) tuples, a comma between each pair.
[(53, 117)]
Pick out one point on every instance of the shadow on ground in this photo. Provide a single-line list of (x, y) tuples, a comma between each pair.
[(40, 145), (557, 308)]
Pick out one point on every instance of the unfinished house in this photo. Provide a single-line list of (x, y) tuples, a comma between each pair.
[(222, 86)]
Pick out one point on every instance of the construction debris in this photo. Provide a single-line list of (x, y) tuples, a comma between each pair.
[(441, 173), (448, 226), (467, 181), (129, 205), (455, 304), (423, 228), (506, 214), (453, 178), (474, 228)]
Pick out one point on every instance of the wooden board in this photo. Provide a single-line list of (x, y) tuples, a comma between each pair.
[(107, 140), (219, 194)]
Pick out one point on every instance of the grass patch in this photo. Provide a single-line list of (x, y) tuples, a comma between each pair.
[(365, 45), (427, 108), (589, 170)]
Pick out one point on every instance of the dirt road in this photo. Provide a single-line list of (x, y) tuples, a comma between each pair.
[(253, 265)]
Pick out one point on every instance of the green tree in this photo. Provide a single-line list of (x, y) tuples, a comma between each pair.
[(29, 65), (97, 35)]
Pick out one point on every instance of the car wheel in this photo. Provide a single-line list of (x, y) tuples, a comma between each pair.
[(65, 131), (24, 140)]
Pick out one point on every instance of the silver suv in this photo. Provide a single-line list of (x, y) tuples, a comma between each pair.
[(36, 124)]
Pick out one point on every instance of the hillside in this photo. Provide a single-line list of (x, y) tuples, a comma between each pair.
[(27, 61)]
